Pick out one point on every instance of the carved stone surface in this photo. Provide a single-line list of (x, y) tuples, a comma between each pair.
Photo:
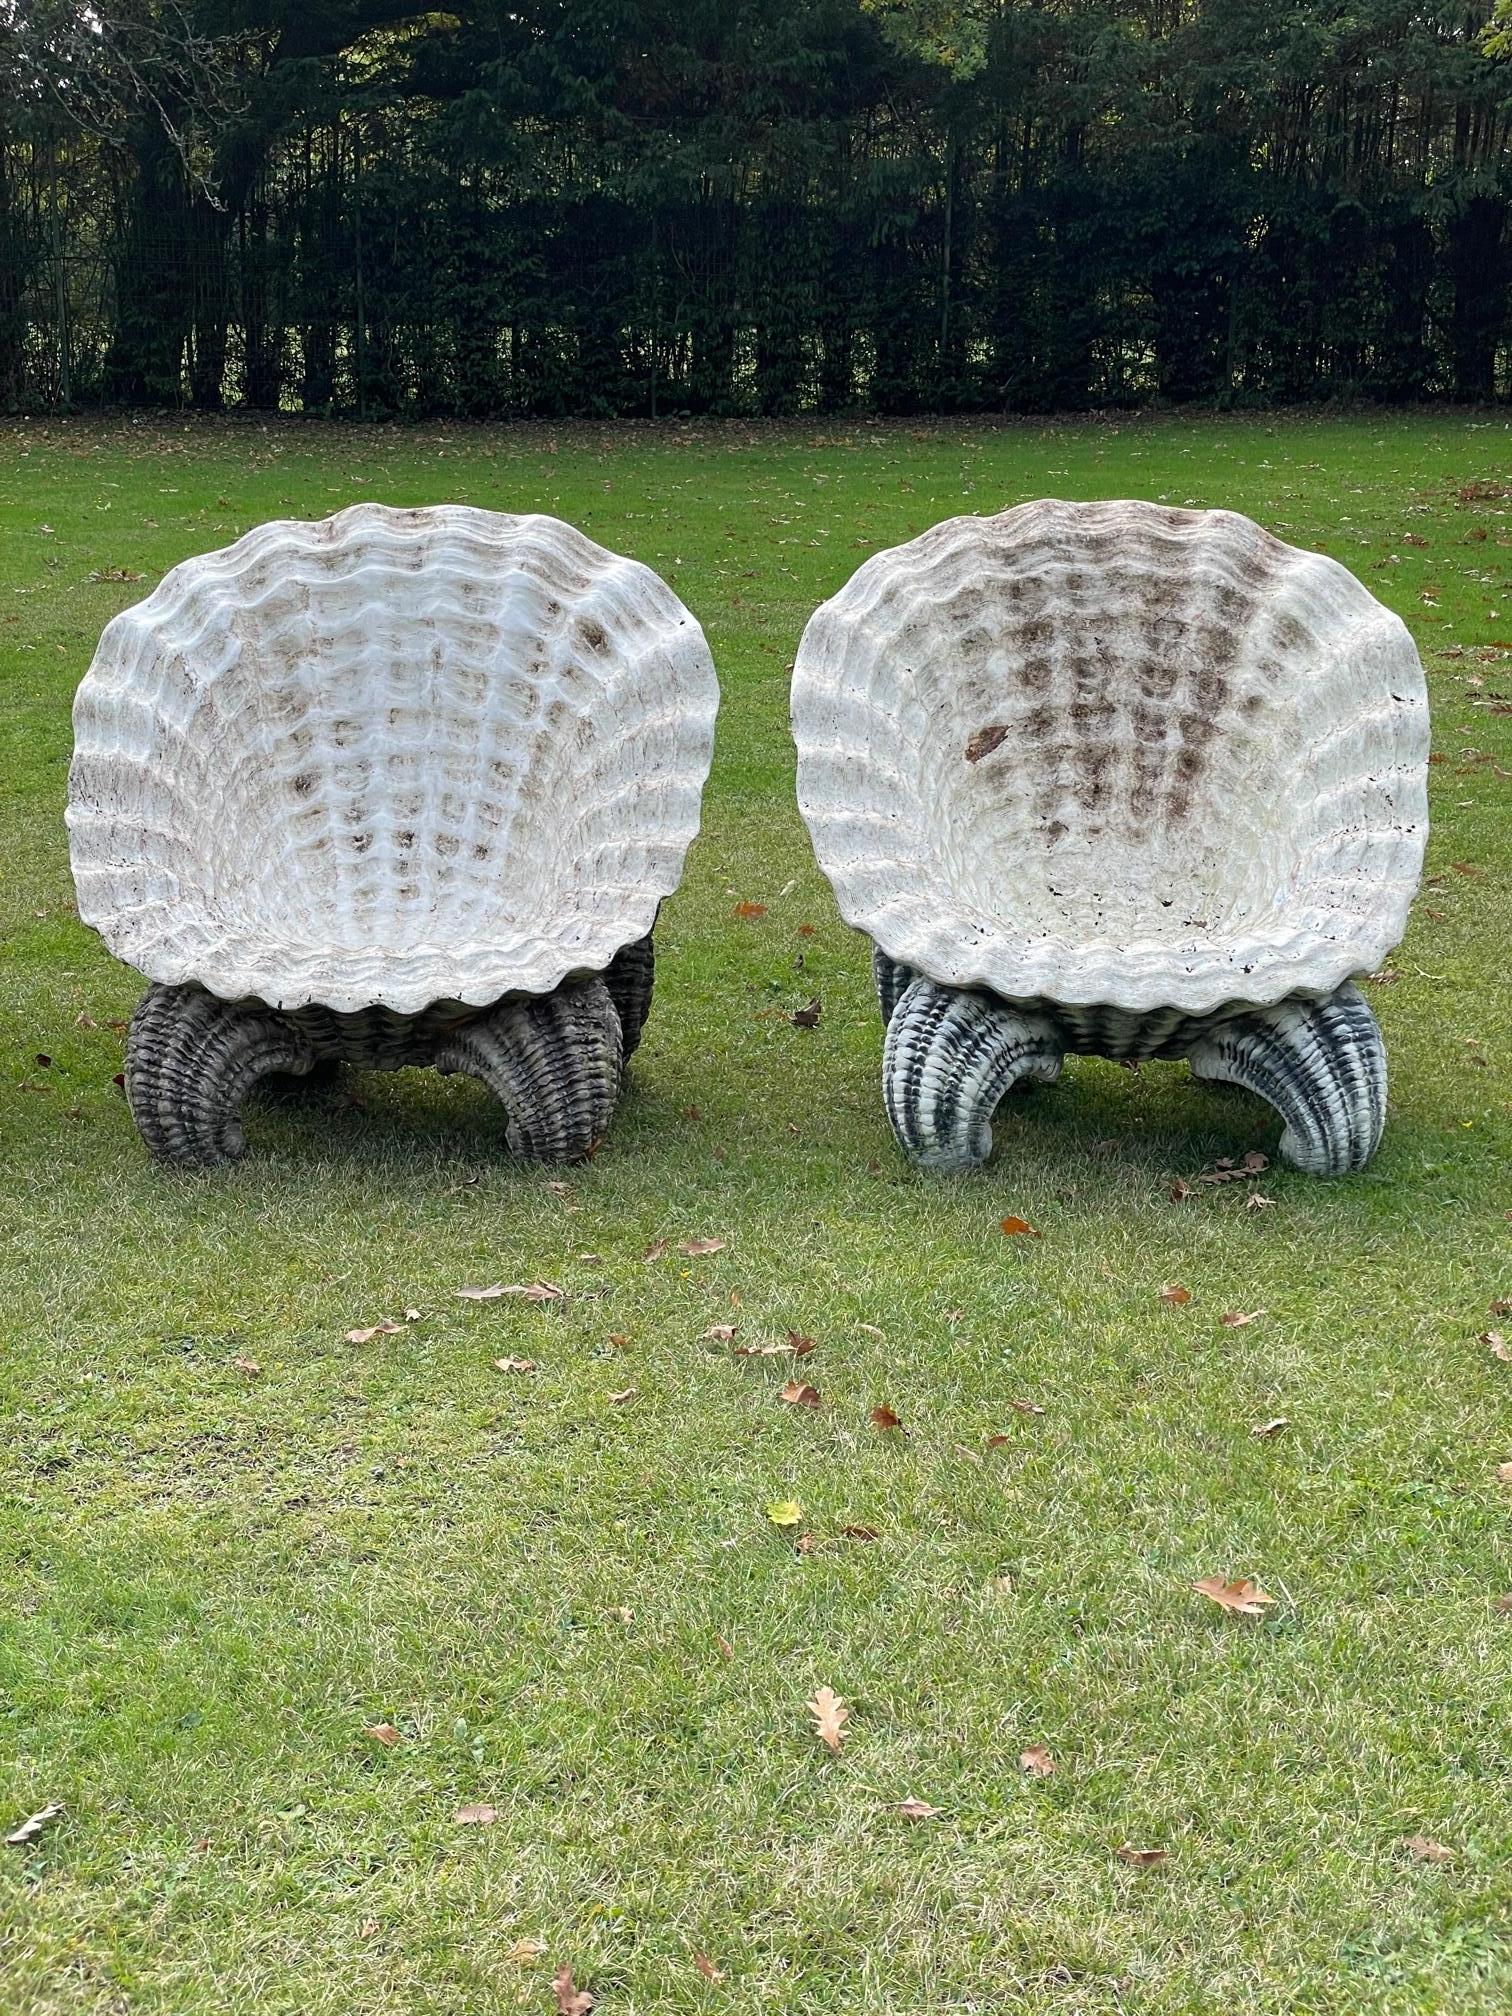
[(343, 785), (1126, 775)]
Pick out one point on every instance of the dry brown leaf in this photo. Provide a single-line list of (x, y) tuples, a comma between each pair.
[(524, 1951), (884, 1419), (860, 1533), (475, 1816), (726, 1649), (489, 1294), (570, 2000), (750, 911), (514, 1364), (1019, 1228), (1504, 1473), (696, 1248), (1238, 1319), (917, 1809), (1277, 1426), (985, 741), (1175, 1294), (619, 1399), (1502, 1306), (830, 1717), (798, 1344), (1037, 1761), (871, 1330), (249, 1366), (529, 1291), (797, 1393), (806, 1543), (1140, 1858), (707, 1968), (619, 1340), (387, 1328), (1241, 1598), (368, 1929), (32, 1826), (382, 1732), (1496, 1344), (1255, 1202), (657, 1250), (719, 1333), (808, 1018), (1421, 1849), (1181, 1190), (1026, 1407), (1503, 1605)]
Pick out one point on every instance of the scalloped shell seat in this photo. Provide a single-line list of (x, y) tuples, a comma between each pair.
[(1134, 773), (373, 772)]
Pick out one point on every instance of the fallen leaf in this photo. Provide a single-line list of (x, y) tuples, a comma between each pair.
[(1180, 1190), (784, 1512), (564, 1191), (368, 1928), (387, 1328), (860, 1533), (1241, 1598), (1503, 1605), (750, 911), (883, 1418), (797, 1393), (871, 1330), (489, 1294), (1421, 1849), (619, 1399), (830, 1716), (1140, 1858), (475, 1816), (657, 1250), (798, 1344), (1019, 1228), (32, 1826), (529, 1291), (619, 1340), (514, 1364), (719, 1333), (1255, 1202), (524, 1951), (985, 741), (707, 1968), (696, 1248), (1025, 1407), (1236, 1319), (1466, 868), (1496, 1344), (726, 1649), (570, 2001), (806, 1543), (1037, 1761), (1175, 1294), (1276, 1427), (382, 1732), (249, 1366), (1504, 1473), (1502, 1306), (808, 1018), (917, 1809)]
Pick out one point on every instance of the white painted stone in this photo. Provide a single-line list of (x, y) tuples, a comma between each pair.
[(1199, 771), (393, 757)]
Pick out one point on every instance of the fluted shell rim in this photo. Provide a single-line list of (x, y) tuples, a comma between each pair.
[(468, 973), (916, 930)]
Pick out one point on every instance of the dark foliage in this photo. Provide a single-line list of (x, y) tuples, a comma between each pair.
[(607, 207)]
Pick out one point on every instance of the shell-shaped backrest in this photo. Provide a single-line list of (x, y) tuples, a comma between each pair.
[(1115, 753), (393, 757)]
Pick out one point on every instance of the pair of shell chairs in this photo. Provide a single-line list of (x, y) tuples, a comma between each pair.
[(408, 787)]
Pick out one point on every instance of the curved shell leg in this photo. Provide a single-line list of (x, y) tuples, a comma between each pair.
[(630, 977), (892, 981), (553, 1061), (1321, 1064), (191, 1060), (950, 1056)]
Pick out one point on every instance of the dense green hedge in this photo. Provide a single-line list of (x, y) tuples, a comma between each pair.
[(633, 206)]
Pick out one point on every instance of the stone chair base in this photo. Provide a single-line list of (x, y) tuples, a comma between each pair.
[(952, 1053), (555, 1062)]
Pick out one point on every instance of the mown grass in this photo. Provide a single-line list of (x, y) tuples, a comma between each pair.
[(576, 1609)]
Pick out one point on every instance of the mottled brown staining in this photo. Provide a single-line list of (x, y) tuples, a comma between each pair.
[(985, 741), (592, 634), (303, 784)]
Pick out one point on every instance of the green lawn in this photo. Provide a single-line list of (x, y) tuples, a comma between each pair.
[(231, 1541)]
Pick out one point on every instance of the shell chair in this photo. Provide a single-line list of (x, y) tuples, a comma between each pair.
[(398, 787), (1117, 779)]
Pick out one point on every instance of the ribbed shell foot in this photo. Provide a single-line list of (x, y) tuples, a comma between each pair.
[(1321, 1064), (554, 1062), (630, 977), (190, 1062), (892, 980), (950, 1056)]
